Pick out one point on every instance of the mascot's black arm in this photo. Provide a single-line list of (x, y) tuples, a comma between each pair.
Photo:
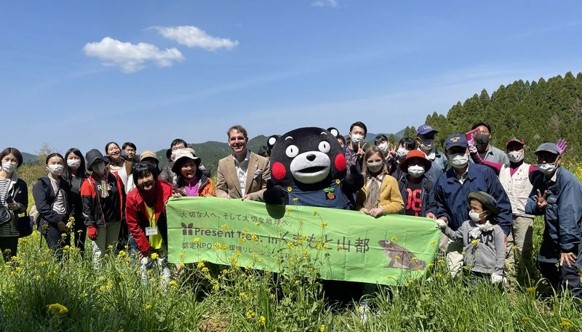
[(353, 181), (275, 194)]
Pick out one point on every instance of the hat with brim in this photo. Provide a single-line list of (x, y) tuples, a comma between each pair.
[(488, 201), (548, 147), (514, 141), (425, 130), (412, 155), (456, 140), (94, 155), (182, 155), (148, 154)]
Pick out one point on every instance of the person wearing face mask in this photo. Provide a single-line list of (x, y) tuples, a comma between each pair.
[(380, 194), (516, 182), (482, 136), (387, 148), (103, 197), (52, 200), (415, 186), (75, 173), (356, 149), (13, 200), (557, 195), (425, 136), (483, 239), (448, 195), (405, 145)]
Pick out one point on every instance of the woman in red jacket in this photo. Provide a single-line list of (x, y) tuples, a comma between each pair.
[(145, 212)]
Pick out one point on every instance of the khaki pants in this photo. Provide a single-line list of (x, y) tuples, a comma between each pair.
[(454, 253), (520, 242), (106, 241)]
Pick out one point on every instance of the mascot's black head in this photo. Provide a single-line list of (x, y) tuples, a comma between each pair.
[(309, 158)]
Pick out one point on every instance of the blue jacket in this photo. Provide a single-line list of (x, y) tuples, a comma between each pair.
[(439, 165), (563, 214), (450, 197)]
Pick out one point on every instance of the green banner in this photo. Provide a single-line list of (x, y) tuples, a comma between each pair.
[(340, 244)]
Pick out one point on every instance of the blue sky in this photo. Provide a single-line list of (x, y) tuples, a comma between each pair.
[(82, 73)]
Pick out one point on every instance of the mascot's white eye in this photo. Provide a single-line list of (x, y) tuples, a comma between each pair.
[(292, 151), (324, 146)]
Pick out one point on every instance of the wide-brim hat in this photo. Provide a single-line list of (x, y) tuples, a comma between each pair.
[(181, 156), (488, 201), (415, 154)]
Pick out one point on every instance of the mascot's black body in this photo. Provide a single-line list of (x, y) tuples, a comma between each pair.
[(308, 167)]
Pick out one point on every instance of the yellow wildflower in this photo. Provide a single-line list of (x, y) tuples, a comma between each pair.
[(173, 283), (154, 256), (262, 320), (322, 328), (565, 323), (200, 265), (474, 242), (57, 309), (250, 314), (148, 306)]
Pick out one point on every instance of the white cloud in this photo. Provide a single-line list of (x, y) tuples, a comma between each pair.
[(131, 57), (325, 3), (192, 36)]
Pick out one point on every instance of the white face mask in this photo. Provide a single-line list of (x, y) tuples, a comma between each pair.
[(548, 168), (458, 160), (415, 171), (74, 163), (375, 166), (383, 147), (55, 169), (516, 156), (401, 152), (475, 216), (9, 167), (357, 138)]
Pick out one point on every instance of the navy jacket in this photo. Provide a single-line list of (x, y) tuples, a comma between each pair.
[(563, 214), (450, 197)]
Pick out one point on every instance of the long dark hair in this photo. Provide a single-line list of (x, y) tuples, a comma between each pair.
[(81, 171)]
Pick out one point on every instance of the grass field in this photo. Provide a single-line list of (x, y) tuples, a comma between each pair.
[(39, 294)]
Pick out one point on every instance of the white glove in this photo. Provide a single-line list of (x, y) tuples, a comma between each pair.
[(440, 223), (496, 278)]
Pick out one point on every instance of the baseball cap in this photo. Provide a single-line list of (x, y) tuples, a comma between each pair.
[(515, 140), (548, 147), (425, 129), (456, 140)]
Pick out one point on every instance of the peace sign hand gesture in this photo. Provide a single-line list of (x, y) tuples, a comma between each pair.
[(541, 199)]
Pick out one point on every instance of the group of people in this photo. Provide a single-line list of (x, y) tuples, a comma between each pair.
[(483, 199)]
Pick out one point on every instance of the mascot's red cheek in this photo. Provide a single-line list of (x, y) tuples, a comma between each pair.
[(340, 162), (278, 171)]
